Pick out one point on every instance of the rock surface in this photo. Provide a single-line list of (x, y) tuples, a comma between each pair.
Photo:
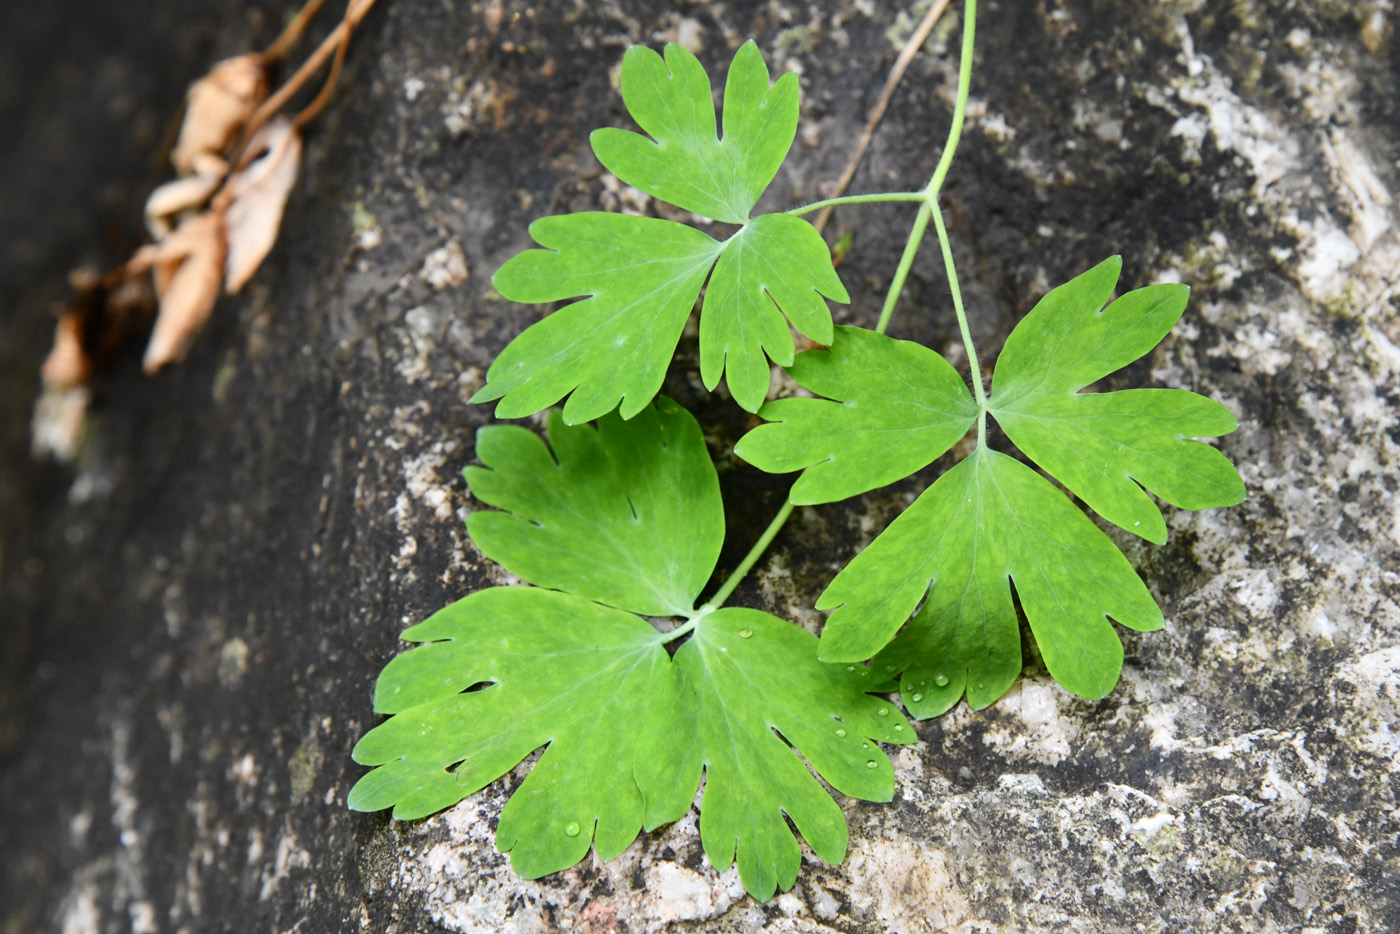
[(195, 613)]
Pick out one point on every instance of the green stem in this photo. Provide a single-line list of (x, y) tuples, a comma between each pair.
[(977, 388), (935, 184), (928, 210), (759, 547), (901, 273), (737, 575), (860, 199)]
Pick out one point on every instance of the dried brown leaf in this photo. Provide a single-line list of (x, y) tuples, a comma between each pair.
[(177, 197), (218, 107), (67, 364), (188, 270), (259, 195)]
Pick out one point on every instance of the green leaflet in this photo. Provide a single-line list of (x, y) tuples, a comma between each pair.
[(775, 265), (627, 514), (1098, 444), (687, 164), (630, 515), (641, 276), (987, 523), (561, 671), (891, 408), (744, 675)]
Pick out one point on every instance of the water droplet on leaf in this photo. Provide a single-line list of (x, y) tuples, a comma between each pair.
[(883, 712), (941, 680), (745, 633), (840, 732), (571, 829), (870, 763), (916, 697)]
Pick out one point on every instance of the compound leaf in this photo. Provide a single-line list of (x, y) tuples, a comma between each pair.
[(629, 514), (559, 671), (1098, 444), (754, 702), (892, 407), (642, 276), (984, 525), (685, 162), (776, 265)]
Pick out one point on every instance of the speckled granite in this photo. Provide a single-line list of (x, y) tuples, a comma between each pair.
[(195, 615)]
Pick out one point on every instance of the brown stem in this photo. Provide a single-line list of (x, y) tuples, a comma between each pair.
[(292, 33), (906, 55), (339, 36), (311, 110)]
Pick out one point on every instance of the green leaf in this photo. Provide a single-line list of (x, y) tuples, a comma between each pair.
[(891, 408), (685, 162), (775, 265), (559, 671), (762, 704), (984, 525), (630, 514), (642, 275), (1098, 444)]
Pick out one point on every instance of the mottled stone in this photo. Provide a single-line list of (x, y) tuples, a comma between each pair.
[(195, 614)]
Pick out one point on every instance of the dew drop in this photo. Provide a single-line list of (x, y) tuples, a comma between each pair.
[(850, 667), (870, 763), (899, 728), (864, 745), (745, 633), (916, 697), (571, 829), (840, 732), (941, 680), (883, 712), (889, 668)]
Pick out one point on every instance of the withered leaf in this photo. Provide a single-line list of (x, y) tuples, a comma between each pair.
[(176, 197), (67, 364), (259, 195), (188, 268), (218, 107)]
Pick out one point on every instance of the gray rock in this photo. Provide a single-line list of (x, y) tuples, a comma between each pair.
[(194, 615)]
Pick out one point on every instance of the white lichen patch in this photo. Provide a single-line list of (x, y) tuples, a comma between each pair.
[(623, 199), (1028, 723), (908, 886), (451, 863), (288, 857), (1375, 679), (445, 267)]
